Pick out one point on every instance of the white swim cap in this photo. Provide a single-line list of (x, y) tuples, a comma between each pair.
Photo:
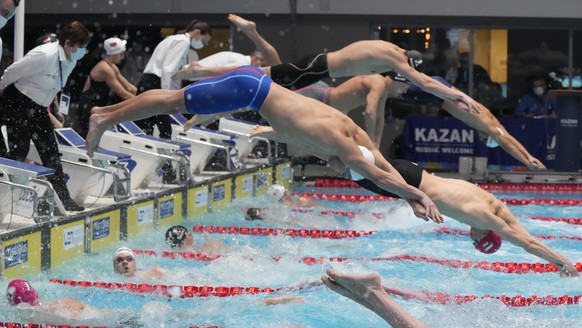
[(122, 250), (114, 46), (368, 156), (276, 191)]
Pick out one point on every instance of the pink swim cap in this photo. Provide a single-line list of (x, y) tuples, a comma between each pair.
[(19, 291), (489, 244)]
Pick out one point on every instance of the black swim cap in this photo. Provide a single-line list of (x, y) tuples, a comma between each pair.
[(175, 235), (253, 214), (414, 59)]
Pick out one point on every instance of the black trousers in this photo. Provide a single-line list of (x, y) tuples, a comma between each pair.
[(149, 82), (26, 120)]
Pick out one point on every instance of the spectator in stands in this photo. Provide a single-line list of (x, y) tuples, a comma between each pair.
[(29, 86), (480, 75), (536, 103), (103, 78)]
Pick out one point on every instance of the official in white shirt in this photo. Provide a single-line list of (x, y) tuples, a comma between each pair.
[(29, 86), (168, 57)]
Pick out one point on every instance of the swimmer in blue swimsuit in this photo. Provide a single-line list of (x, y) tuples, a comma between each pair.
[(297, 119)]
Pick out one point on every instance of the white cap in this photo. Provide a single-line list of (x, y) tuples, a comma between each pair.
[(276, 191), (369, 157), (123, 250), (114, 46)]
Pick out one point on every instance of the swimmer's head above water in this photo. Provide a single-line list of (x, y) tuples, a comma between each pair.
[(21, 291), (253, 214), (178, 236)]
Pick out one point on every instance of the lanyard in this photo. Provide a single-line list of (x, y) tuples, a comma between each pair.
[(61, 74)]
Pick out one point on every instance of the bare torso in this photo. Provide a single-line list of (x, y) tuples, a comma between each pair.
[(308, 122), (364, 57), (352, 93), (461, 200)]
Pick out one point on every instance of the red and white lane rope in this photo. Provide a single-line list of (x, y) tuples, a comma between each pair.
[(220, 291), (171, 291), (546, 187), (355, 198), (503, 267), (307, 233), (574, 221), (451, 231), (47, 325), (518, 300)]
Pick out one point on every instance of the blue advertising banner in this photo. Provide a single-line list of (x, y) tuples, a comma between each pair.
[(438, 142)]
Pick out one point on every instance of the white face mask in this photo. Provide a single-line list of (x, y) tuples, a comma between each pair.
[(78, 54), (4, 20), (539, 91), (197, 44)]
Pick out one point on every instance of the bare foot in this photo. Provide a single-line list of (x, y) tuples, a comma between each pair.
[(260, 130), (93, 135), (354, 287), (185, 73), (243, 24)]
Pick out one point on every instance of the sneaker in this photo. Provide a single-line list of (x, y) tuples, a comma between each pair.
[(70, 205)]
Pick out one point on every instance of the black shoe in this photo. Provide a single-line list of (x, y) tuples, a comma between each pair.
[(70, 205)]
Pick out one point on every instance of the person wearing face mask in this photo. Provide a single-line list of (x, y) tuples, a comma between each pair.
[(7, 9), (29, 86), (168, 57), (104, 77), (536, 103)]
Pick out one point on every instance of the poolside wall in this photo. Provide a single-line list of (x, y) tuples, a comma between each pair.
[(47, 245)]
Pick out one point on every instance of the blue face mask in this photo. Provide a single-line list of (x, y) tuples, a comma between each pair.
[(78, 54)]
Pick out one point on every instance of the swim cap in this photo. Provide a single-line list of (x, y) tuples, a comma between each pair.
[(253, 214), (276, 191), (367, 155), (19, 291), (114, 46), (414, 59), (489, 244), (122, 250), (175, 235)]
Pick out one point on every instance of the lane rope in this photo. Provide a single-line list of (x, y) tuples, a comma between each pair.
[(354, 198), (221, 291), (547, 187), (452, 231), (306, 233), (502, 267)]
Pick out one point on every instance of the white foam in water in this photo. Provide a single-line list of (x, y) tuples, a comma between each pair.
[(249, 263)]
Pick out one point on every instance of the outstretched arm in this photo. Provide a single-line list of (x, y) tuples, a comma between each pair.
[(429, 85), (374, 111), (511, 230), (367, 291), (194, 71), (486, 122)]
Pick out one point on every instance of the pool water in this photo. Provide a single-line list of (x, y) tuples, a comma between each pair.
[(249, 262)]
